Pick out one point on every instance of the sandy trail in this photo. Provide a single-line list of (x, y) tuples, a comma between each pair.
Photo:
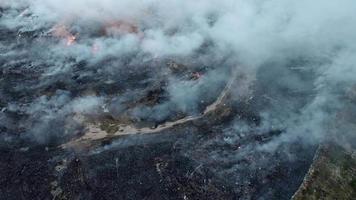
[(95, 133)]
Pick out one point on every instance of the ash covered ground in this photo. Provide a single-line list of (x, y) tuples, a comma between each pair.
[(177, 100)]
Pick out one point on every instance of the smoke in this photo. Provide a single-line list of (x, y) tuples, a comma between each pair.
[(302, 54), (67, 64)]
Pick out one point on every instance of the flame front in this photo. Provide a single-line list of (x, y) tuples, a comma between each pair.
[(61, 31)]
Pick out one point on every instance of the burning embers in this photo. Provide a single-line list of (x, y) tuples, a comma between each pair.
[(196, 75), (113, 28), (117, 28), (62, 31)]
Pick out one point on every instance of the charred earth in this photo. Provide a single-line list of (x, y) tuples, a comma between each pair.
[(139, 105)]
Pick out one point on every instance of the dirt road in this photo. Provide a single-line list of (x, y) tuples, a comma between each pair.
[(95, 133)]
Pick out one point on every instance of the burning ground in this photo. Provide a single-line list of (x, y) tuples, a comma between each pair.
[(179, 100)]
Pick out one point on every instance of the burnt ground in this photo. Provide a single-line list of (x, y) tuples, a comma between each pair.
[(207, 158), (203, 159), (189, 162)]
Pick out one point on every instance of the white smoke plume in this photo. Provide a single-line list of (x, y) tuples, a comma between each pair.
[(303, 47)]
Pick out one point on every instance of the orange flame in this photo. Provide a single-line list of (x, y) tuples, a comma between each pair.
[(120, 27), (70, 40), (114, 28), (61, 31)]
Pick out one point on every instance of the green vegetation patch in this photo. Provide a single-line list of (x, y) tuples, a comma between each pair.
[(333, 176), (353, 184)]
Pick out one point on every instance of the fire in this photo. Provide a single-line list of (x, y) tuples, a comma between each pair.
[(120, 28), (113, 28), (61, 31), (70, 40), (196, 75)]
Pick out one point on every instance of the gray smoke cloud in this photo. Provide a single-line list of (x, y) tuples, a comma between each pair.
[(301, 53)]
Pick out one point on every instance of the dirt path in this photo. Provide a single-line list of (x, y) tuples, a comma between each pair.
[(95, 133)]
